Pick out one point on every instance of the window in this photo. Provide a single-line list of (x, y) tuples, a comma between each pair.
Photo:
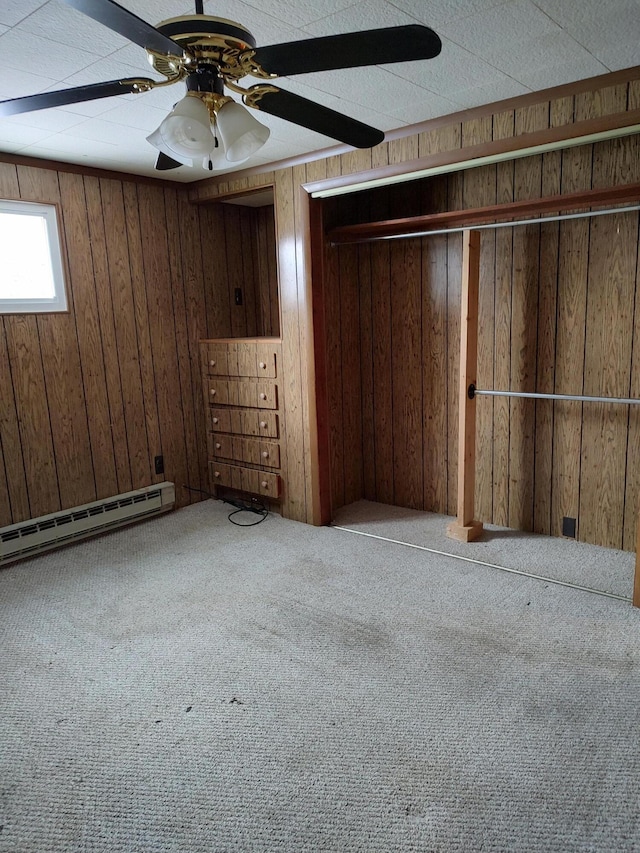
[(31, 271)]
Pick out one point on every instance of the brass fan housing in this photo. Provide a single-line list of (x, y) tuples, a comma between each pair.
[(210, 40)]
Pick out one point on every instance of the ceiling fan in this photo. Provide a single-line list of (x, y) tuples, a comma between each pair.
[(210, 54)]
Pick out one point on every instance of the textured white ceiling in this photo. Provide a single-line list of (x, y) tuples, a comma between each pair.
[(492, 49)]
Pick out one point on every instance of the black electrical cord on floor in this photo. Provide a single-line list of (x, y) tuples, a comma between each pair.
[(254, 505)]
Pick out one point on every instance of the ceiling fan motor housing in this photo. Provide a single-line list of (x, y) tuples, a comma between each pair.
[(212, 41)]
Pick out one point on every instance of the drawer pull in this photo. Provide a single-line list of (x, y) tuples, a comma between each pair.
[(262, 365), (215, 420), (263, 424), (264, 484), (216, 473), (263, 396), (212, 363), (265, 454), (218, 445), (213, 392)]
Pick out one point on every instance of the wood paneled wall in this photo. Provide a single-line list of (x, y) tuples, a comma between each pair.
[(558, 313), (90, 397), (239, 251), (615, 95)]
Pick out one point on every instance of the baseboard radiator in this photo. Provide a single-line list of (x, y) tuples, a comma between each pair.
[(31, 537)]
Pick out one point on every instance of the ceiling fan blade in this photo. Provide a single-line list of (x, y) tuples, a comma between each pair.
[(314, 116), (349, 50), (122, 21), (164, 163), (60, 98)]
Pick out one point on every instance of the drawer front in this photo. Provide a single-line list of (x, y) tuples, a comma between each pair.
[(218, 391), (245, 479), (269, 484), (251, 450), (255, 359), (251, 393), (261, 423), (266, 361), (220, 420), (215, 359), (246, 359), (220, 446), (239, 422), (221, 475), (267, 395), (269, 454)]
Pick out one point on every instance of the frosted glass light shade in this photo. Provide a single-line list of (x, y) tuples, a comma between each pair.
[(241, 134), (157, 141), (186, 132)]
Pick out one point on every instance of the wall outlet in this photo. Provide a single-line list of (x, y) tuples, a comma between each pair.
[(159, 464), (569, 527)]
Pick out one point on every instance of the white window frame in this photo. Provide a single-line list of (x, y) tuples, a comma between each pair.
[(58, 302)]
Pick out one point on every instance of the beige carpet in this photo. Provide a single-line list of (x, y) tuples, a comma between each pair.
[(189, 686), (604, 570)]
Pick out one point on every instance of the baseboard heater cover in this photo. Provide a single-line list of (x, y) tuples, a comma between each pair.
[(31, 537)]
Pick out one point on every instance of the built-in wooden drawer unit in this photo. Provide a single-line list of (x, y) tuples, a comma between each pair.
[(245, 479), (249, 392), (251, 450), (241, 378), (244, 422), (250, 359)]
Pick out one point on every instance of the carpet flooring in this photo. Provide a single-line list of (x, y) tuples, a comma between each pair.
[(188, 685), (605, 570)]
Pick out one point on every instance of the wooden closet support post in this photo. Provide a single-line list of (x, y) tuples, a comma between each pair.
[(465, 528)]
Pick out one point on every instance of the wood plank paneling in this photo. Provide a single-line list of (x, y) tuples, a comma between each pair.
[(480, 189), (546, 351), (215, 270), (334, 361), (367, 376), (163, 319), (571, 313), (382, 371), (97, 237), (163, 336), (350, 321), (552, 297), (135, 238), (90, 396), (186, 350), (609, 325), (407, 365), (294, 500), (25, 360), (196, 323), (454, 285), (126, 338), (434, 370), (87, 321), (61, 369), (13, 482)]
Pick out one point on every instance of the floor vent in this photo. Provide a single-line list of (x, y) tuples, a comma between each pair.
[(49, 531)]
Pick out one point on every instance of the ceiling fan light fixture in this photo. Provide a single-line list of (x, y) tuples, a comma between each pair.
[(241, 134), (186, 131), (156, 139)]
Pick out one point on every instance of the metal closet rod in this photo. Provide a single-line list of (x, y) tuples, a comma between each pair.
[(472, 392), (458, 228)]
